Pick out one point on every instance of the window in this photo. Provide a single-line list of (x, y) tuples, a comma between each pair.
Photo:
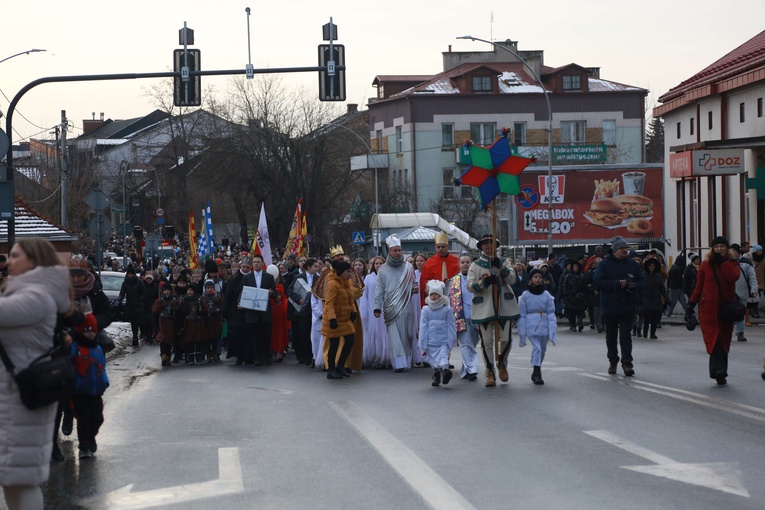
[(759, 107), (481, 83), (741, 112), (693, 121), (449, 187), (709, 120), (609, 132), (447, 135), (379, 137), (572, 131), (678, 130), (573, 82), (450, 190), (483, 133), (519, 133), (399, 140)]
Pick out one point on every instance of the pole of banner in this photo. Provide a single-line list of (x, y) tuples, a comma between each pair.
[(495, 271)]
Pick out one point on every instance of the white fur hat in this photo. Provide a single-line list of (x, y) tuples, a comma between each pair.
[(436, 286)]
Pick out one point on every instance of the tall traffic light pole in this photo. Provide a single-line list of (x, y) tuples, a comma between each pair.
[(9, 170)]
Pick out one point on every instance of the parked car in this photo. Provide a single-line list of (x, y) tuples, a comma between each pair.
[(112, 283), (112, 255)]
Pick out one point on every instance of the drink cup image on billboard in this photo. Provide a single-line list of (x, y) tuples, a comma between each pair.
[(634, 183)]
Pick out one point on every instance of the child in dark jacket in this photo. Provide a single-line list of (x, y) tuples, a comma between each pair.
[(90, 365)]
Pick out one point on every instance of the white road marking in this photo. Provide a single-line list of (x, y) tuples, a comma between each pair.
[(229, 482), (728, 406), (434, 490), (719, 476)]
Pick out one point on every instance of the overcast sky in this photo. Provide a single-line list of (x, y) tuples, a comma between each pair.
[(654, 44)]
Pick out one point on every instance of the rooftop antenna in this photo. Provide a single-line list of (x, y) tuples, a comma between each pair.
[(248, 69)]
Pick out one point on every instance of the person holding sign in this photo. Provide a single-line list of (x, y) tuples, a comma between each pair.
[(258, 312)]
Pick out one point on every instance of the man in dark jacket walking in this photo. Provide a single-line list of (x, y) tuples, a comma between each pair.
[(675, 284), (132, 292), (618, 279)]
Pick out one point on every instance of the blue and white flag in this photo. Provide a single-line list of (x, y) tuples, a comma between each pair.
[(202, 247), (208, 222)]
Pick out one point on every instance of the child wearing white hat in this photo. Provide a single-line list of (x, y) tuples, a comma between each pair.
[(438, 331)]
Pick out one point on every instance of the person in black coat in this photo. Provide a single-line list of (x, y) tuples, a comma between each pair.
[(618, 278), (149, 323), (650, 296), (689, 275), (132, 292), (301, 324), (259, 323), (235, 316), (675, 284), (572, 294)]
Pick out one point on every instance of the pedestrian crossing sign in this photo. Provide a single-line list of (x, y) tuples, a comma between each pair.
[(358, 238)]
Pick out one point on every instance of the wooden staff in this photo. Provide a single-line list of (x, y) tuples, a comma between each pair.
[(495, 271)]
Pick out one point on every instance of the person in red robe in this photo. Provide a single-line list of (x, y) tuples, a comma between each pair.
[(280, 326), (441, 266)]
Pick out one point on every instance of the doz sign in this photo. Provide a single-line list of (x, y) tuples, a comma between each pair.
[(718, 162)]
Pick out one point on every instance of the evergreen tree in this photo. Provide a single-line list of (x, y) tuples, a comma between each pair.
[(654, 147)]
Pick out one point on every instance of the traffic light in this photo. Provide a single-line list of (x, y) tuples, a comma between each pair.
[(138, 232), (187, 92), (332, 87)]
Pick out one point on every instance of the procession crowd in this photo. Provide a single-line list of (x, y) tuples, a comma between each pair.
[(342, 316)]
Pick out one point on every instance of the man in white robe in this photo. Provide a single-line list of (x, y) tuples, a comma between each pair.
[(393, 295)]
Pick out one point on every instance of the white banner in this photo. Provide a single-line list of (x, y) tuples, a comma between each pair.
[(264, 243)]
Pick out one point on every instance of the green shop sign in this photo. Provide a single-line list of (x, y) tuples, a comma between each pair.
[(563, 154)]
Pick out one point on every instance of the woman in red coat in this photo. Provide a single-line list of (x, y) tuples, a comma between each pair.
[(717, 333)]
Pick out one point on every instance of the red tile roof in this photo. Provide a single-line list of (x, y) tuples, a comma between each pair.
[(749, 55)]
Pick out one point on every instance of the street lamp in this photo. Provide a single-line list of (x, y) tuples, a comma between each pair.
[(159, 202), (34, 50), (549, 133), (377, 196), (123, 170), (11, 238)]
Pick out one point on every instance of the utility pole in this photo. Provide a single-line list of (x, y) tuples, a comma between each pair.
[(64, 171)]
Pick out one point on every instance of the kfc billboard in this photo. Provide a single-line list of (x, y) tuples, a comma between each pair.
[(591, 204)]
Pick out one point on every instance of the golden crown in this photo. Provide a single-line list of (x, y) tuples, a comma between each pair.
[(442, 238), (77, 262), (335, 251)]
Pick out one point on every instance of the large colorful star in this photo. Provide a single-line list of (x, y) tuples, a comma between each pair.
[(494, 170)]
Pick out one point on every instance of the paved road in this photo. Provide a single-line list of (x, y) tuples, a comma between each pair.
[(228, 437)]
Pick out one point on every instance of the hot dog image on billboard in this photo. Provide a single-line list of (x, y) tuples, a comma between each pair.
[(594, 204)]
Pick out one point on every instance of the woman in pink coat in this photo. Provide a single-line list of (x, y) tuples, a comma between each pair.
[(717, 332)]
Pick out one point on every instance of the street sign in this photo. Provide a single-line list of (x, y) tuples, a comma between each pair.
[(358, 238), (97, 200), (117, 210), (160, 220), (99, 227), (529, 197), (160, 212)]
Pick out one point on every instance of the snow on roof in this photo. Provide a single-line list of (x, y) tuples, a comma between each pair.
[(443, 86), (510, 82), (31, 224), (110, 141), (598, 85)]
